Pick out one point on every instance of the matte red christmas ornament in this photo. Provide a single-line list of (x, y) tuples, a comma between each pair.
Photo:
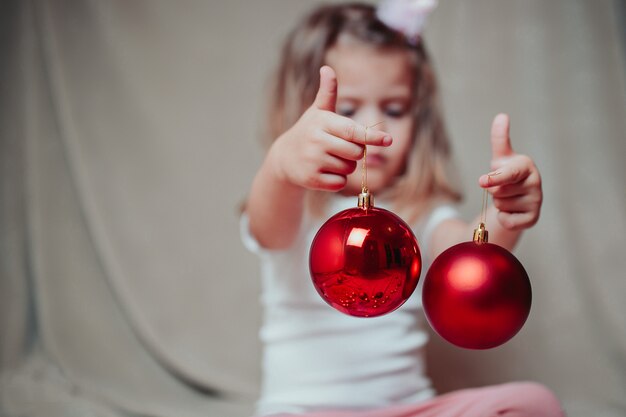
[(477, 295), (365, 261)]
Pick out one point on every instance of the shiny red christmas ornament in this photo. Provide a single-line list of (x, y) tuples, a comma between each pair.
[(365, 261), (477, 295)]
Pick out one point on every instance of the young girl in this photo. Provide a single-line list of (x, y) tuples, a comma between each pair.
[(342, 70)]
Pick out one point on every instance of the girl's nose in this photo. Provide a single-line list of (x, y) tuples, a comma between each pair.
[(378, 123), (373, 119)]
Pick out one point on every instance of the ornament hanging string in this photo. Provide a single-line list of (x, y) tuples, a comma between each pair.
[(483, 211), (480, 234), (364, 177)]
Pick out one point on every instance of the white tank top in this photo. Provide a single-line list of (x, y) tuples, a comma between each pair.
[(316, 358)]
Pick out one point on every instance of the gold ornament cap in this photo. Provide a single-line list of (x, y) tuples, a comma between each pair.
[(366, 200), (481, 235)]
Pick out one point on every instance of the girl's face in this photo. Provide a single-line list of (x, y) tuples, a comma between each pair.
[(375, 86)]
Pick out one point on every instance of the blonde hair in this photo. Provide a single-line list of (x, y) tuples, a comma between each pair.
[(429, 176)]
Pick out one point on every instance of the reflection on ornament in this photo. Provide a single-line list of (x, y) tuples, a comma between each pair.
[(365, 261), (477, 295)]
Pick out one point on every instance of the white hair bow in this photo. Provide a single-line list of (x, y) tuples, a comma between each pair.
[(406, 16)]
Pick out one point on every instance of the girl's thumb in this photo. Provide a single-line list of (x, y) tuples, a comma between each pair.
[(500, 139), (327, 94)]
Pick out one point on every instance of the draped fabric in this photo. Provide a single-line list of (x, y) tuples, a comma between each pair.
[(128, 138)]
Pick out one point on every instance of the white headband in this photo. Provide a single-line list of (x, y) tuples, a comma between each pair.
[(406, 16)]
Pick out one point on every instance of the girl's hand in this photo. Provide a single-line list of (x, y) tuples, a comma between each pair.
[(321, 149), (514, 182)]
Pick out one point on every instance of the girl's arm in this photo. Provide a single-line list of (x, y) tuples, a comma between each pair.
[(318, 153), (515, 186)]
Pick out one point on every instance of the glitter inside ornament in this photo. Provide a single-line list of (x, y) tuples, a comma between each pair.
[(476, 295), (365, 261)]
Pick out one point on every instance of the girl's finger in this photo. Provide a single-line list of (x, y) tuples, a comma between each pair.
[(516, 221), (330, 182), (335, 165), (530, 186), (508, 191), (347, 129), (513, 172), (327, 93), (521, 204), (500, 138), (342, 148)]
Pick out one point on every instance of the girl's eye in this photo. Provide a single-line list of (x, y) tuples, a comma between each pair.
[(395, 112), (346, 111)]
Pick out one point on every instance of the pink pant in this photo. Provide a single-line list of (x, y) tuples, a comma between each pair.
[(518, 399)]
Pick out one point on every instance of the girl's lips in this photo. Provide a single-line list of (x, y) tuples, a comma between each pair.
[(374, 160)]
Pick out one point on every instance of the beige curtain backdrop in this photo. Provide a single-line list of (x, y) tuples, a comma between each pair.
[(128, 138)]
